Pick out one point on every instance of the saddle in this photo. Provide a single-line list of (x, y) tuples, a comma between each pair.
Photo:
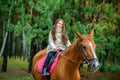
[(52, 63)]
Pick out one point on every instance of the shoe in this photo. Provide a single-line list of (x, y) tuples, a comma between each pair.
[(47, 74), (44, 72)]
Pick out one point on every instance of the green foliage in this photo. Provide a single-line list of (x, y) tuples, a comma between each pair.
[(90, 10), (107, 42), (112, 68)]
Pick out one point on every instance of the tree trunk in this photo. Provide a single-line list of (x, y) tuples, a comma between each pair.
[(32, 53), (10, 44), (4, 42), (4, 65)]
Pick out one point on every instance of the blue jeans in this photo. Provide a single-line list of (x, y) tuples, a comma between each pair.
[(48, 58)]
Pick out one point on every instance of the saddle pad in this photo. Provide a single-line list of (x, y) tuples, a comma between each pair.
[(41, 63)]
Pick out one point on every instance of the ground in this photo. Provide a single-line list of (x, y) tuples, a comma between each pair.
[(17, 70), (101, 76), (22, 74)]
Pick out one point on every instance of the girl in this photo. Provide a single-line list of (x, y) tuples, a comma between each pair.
[(58, 40)]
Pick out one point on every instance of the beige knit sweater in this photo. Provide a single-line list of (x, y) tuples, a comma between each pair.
[(58, 43)]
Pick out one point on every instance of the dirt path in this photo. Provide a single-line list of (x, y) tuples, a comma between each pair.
[(15, 73), (101, 76)]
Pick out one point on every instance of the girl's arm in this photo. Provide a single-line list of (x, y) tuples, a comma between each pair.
[(51, 42), (68, 43)]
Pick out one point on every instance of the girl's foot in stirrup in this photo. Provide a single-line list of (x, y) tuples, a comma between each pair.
[(44, 72)]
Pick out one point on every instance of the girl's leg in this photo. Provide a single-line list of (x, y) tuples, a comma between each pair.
[(46, 64)]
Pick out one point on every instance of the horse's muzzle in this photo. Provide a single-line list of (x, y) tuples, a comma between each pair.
[(93, 65)]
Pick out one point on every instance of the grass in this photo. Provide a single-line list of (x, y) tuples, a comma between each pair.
[(16, 70), (16, 78), (18, 62)]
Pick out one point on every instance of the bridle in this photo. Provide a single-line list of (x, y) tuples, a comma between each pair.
[(86, 60), (84, 53)]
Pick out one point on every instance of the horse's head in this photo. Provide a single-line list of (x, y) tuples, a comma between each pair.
[(87, 47)]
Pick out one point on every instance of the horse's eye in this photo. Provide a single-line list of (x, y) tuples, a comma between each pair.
[(84, 47)]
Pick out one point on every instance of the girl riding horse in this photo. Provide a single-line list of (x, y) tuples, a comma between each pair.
[(58, 40), (82, 50)]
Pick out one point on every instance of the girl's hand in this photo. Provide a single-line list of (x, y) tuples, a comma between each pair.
[(56, 49)]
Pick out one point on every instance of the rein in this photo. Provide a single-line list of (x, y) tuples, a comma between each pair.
[(74, 61)]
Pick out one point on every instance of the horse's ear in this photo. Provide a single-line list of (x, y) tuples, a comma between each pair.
[(92, 33), (79, 35)]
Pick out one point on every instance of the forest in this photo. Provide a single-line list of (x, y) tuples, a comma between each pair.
[(25, 26)]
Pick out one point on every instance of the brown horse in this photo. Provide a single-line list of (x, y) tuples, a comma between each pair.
[(83, 49)]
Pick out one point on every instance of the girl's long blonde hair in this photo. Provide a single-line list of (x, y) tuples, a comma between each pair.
[(64, 34)]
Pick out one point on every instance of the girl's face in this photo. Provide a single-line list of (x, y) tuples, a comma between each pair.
[(59, 24)]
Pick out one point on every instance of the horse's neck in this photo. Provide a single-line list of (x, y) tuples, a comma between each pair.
[(72, 53)]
